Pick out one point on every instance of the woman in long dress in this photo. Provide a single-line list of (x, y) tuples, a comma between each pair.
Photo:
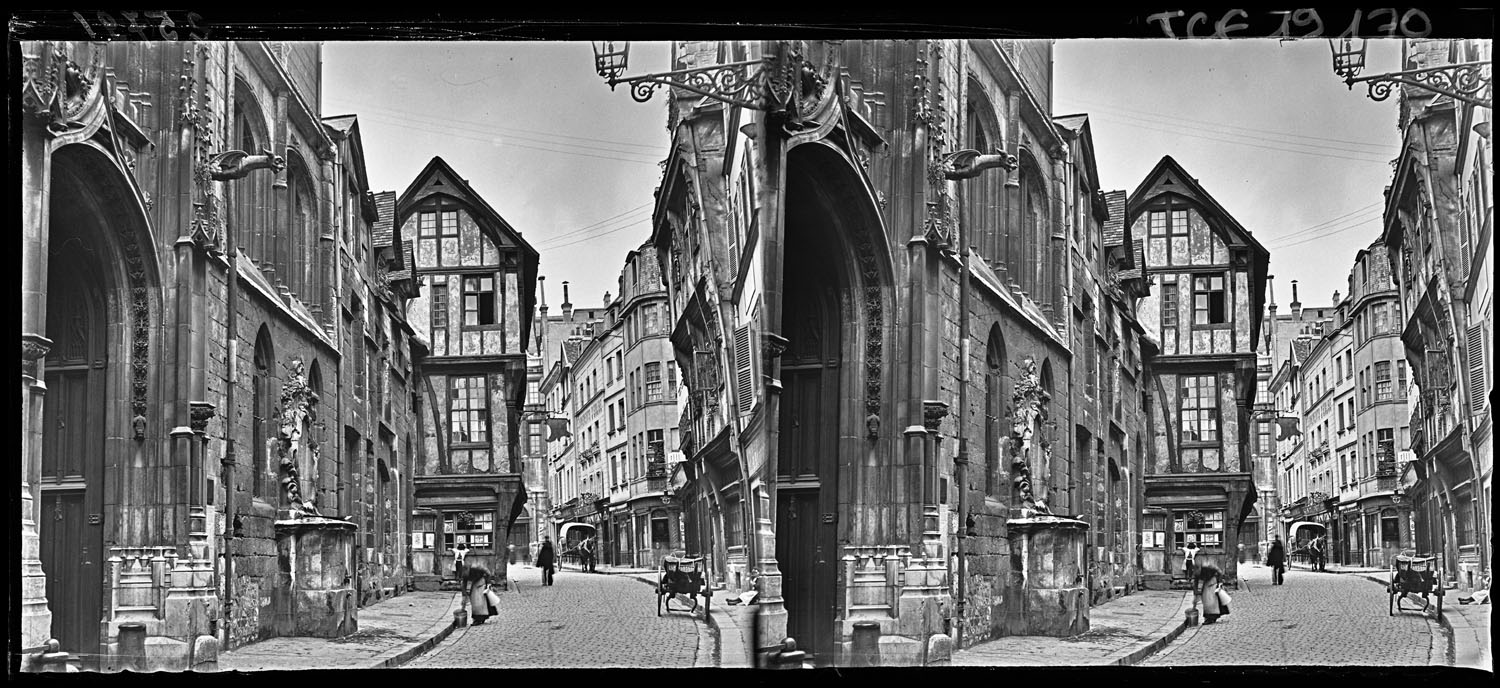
[(1207, 584), (476, 584)]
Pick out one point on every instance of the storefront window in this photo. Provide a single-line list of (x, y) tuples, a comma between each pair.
[(423, 532), (1206, 527), (474, 528)]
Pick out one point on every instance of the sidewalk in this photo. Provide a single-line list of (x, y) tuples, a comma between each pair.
[(391, 632), (1468, 625), (1122, 631)]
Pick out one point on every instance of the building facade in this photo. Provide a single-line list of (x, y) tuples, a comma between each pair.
[(474, 279), (208, 297), (879, 336), (1438, 218), (645, 513), (1207, 278)]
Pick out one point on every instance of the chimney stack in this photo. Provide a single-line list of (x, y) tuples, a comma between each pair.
[(1296, 305), (567, 305)]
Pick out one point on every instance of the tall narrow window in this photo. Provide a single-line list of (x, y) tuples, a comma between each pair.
[(1200, 410), (261, 422), (479, 300), (994, 406), (1208, 300), (448, 237), (468, 411), (653, 381), (439, 307), (1383, 381), (1169, 305), (427, 239), (1400, 379)]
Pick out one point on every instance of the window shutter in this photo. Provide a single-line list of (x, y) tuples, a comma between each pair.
[(1477, 391), (743, 374)]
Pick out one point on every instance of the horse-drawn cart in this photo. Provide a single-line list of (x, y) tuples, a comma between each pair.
[(1412, 575), (682, 580)]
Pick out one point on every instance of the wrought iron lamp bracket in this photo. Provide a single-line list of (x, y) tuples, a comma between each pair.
[(1466, 81), (728, 83)]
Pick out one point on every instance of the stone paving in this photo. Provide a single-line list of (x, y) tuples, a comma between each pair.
[(389, 632), (583, 620), (1120, 632), (1313, 619)]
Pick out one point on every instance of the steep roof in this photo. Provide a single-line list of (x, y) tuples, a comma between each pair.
[(1170, 172), (407, 261), (571, 348), (381, 231), (439, 177), (1169, 177), (1114, 227), (1301, 347)]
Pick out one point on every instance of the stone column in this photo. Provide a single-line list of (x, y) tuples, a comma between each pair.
[(36, 617)]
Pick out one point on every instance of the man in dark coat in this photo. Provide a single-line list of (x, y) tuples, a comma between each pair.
[(546, 559), (1276, 559)]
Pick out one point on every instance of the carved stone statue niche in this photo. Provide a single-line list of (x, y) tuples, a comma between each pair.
[(1031, 455), (298, 458)]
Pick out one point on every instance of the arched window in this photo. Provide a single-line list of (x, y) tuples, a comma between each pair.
[(316, 427), (261, 423), (248, 197), (994, 409), (982, 195), (301, 233), (1032, 230)]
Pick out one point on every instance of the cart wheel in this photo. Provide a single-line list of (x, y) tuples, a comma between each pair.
[(658, 602)]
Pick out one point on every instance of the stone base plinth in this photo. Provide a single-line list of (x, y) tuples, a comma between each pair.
[(314, 596), (1051, 597)]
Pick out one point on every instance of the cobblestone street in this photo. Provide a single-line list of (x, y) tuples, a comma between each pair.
[(583, 620), (1314, 619)]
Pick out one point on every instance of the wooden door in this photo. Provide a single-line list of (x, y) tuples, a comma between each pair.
[(807, 488), (71, 519)]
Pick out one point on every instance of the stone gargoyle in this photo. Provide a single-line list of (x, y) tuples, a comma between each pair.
[(236, 164)]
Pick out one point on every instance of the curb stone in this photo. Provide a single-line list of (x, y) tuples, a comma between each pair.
[(1156, 645), (435, 634)]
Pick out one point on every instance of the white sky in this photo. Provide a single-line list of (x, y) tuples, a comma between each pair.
[(1265, 126)]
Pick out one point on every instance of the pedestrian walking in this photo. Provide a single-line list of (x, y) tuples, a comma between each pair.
[(483, 602), (546, 559), (1276, 559), (1190, 557), (460, 563), (1209, 586)]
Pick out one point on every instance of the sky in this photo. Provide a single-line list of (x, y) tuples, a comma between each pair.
[(1295, 156), (1265, 126), (537, 133)]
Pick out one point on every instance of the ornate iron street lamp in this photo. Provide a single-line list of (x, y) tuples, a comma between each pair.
[(762, 84), (1466, 81)]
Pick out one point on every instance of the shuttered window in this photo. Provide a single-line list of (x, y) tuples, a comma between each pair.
[(1477, 377), (744, 376)]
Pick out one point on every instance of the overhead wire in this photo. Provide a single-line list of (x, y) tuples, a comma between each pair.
[(1111, 107), (508, 142), (492, 129)]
